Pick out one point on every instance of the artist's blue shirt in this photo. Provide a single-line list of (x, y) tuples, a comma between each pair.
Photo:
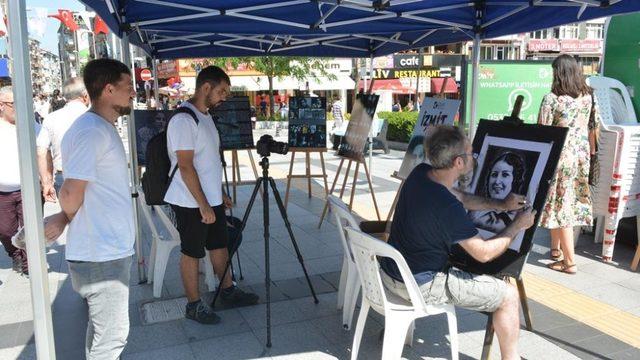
[(428, 220)]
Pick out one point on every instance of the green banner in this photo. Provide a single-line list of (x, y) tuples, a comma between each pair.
[(621, 55), (500, 83)]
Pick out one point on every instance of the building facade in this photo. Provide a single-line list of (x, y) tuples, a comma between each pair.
[(582, 40), (45, 70)]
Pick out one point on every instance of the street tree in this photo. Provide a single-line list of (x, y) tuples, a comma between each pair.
[(297, 67)]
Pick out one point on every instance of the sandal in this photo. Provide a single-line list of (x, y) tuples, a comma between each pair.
[(561, 266), (556, 254)]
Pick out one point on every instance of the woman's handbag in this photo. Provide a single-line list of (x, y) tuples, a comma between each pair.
[(594, 162)]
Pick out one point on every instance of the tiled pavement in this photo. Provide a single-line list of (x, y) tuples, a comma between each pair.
[(303, 330)]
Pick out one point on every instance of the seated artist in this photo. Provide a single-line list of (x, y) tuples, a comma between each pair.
[(430, 217)]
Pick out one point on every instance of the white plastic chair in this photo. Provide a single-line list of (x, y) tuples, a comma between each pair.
[(349, 287), (163, 243), (399, 313)]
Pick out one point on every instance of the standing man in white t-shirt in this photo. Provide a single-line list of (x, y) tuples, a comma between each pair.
[(54, 126), (195, 194), (96, 203)]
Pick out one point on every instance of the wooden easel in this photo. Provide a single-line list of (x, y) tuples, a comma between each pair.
[(236, 180), (353, 187), (489, 330), (307, 175)]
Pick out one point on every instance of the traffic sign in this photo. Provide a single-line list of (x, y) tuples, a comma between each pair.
[(145, 75)]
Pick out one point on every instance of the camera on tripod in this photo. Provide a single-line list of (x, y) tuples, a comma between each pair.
[(266, 145)]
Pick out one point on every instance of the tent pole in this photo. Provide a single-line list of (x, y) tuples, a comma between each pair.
[(474, 85), (154, 67), (420, 66), (31, 205), (133, 164), (370, 134)]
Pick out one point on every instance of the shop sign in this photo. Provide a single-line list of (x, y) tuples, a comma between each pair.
[(541, 45), (406, 61), (499, 85), (191, 67), (400, 73), (575, 45), (338, 66), (383, 62), (167, 69)]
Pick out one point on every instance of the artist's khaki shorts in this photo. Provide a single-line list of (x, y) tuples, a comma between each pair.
[(460, 288)]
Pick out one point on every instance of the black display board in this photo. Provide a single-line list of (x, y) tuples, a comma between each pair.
[(233, 120), (307, 122), (518, 158), (355, 138), (148, 124)]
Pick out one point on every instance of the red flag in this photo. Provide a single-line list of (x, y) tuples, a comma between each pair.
[(99, 26), (3, 23), (66, 17)]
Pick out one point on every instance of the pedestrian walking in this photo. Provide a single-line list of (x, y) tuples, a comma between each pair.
[(10, 194)]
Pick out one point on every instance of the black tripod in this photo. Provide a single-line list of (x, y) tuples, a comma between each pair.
[(265, 181)]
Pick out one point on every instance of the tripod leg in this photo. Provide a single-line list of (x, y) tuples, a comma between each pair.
[(283, 213), (244, 223), (239, 265), (267, 265)]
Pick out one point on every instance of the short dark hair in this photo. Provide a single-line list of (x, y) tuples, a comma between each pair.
[(213, 75), (101, 72)]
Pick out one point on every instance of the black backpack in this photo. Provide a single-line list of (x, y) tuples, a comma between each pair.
[(156, 178)]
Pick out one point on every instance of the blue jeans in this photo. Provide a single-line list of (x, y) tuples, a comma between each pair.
[(58, 179)]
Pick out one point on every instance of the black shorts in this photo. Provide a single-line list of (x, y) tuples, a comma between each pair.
[(195, 235)]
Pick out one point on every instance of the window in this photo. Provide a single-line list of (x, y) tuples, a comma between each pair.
[(595, 31), (486, 52), (569, 31), (500, 53)]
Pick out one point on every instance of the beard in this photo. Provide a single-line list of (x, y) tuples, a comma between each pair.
[(122, 110)]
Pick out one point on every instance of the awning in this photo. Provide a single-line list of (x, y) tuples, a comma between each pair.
[(451, 87), (342, 82), (393, 85), (261, 83)]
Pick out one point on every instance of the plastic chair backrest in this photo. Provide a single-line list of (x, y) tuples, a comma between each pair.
[(366, 250), (166, 216), (343, 218), (147, 215), (613, 101)]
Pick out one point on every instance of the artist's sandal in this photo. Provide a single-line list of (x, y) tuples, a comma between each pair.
[(561, 266), (556, 255)]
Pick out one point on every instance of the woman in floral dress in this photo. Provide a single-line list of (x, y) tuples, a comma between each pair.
[(569, 201)]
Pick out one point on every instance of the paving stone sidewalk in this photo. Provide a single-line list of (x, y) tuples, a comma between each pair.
[(302, 329)]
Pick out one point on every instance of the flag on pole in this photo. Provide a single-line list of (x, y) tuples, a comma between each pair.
[(66, 17), (99, 26), (3, 23)]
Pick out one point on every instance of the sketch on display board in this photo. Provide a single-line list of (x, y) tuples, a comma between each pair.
[(433, 112), (511, 158), (233, 121), (307, 122), (355, 138), (149, 123), (506, 166)]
